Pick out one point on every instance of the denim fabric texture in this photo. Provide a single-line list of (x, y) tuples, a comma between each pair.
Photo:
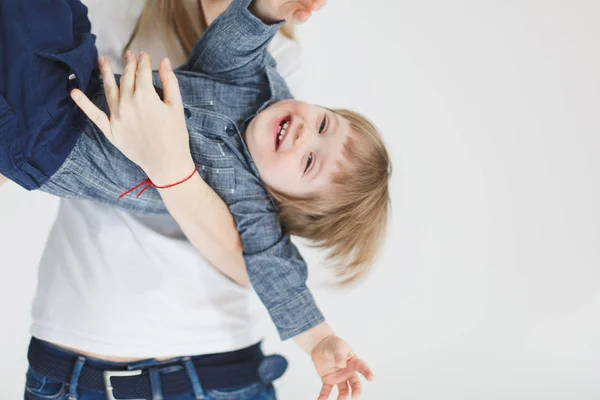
[(229, 78), (39, 387), (40, 384), (46, 47)]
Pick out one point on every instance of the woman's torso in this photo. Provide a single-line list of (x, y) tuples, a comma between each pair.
[(119, 287)]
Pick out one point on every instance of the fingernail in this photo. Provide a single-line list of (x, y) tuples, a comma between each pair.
[(168, 64), (75, 95), (128, 54)]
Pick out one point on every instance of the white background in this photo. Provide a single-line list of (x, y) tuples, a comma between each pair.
[(489, 284)]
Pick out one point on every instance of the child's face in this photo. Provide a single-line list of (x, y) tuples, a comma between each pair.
[(296, 146)]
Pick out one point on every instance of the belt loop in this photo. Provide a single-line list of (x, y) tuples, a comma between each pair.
[(155, 382), (75, 378), (193, 375)]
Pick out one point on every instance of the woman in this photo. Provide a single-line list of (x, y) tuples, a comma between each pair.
[(107, 297)]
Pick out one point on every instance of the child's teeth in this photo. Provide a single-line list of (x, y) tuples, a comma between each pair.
[(285, 125)]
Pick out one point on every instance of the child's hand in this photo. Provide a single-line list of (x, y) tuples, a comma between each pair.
[(338, 366), (296, 12)]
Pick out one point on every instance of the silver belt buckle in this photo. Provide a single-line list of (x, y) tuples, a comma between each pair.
[(109, 374)]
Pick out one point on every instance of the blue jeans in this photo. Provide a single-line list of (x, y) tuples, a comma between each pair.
[(41, 387)]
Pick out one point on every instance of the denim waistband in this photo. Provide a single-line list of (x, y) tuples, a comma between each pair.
[(142, 379), (245, 354)]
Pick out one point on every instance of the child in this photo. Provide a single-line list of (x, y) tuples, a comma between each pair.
[(326, 170)]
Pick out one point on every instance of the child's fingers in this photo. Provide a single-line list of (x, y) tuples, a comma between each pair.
[(170, 85), (359, 365), (128, 77), (317, 4), (354, 365), (343, 390), (92, 112), (300, 16), (312, 5), (143, 78), (356, 386), (338, 353), (325, 391), (111, 89), (289, 9)]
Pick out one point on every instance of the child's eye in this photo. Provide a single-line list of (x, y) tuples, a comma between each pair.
[(308, 162), (323, 124)]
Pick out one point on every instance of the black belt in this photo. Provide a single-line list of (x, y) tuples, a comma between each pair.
[(235, 369)]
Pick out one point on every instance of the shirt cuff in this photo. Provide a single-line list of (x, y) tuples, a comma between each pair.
[(297, 315), (251, 24)]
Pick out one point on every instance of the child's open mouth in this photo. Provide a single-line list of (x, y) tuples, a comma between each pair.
[(282, 127)]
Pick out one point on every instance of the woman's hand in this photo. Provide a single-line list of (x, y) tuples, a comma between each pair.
[(150, 132), (296, 12), (153, 134)]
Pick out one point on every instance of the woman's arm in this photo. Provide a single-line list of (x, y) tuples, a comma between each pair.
[(153, 134), (2, 179), (206, 221)]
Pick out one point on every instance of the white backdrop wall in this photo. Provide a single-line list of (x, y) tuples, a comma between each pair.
[(489, 283)]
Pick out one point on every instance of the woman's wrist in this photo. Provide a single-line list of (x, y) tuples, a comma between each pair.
[(170, 172)]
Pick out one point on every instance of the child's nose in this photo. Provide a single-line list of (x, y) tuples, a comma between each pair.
[(303, 135), (299, 135)]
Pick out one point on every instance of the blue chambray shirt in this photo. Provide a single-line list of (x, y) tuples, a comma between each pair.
[(229, 78)]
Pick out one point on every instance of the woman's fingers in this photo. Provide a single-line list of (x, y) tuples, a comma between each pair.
[(170, 85), (128, 77), (143, 78), (111, 89), (92, 112)]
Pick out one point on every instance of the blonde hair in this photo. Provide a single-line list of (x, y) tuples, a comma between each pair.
[(349, 220), (181, 23)]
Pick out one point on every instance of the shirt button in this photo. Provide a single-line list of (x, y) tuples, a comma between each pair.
[(187, 112), (230, 130)]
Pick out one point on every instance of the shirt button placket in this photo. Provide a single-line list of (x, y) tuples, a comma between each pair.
[(230, 130)]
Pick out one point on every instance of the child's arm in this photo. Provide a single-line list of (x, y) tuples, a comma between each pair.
[(279, 273), (2, 179), (234, 46), (336, 363), (153, 134)]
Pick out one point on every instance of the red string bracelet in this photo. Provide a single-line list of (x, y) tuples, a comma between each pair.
[(148, 183)]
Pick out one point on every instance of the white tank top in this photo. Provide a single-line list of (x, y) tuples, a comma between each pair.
[(123, 286)]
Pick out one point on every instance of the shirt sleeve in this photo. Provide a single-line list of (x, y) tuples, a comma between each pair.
[(234, 46), (276, 269)]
